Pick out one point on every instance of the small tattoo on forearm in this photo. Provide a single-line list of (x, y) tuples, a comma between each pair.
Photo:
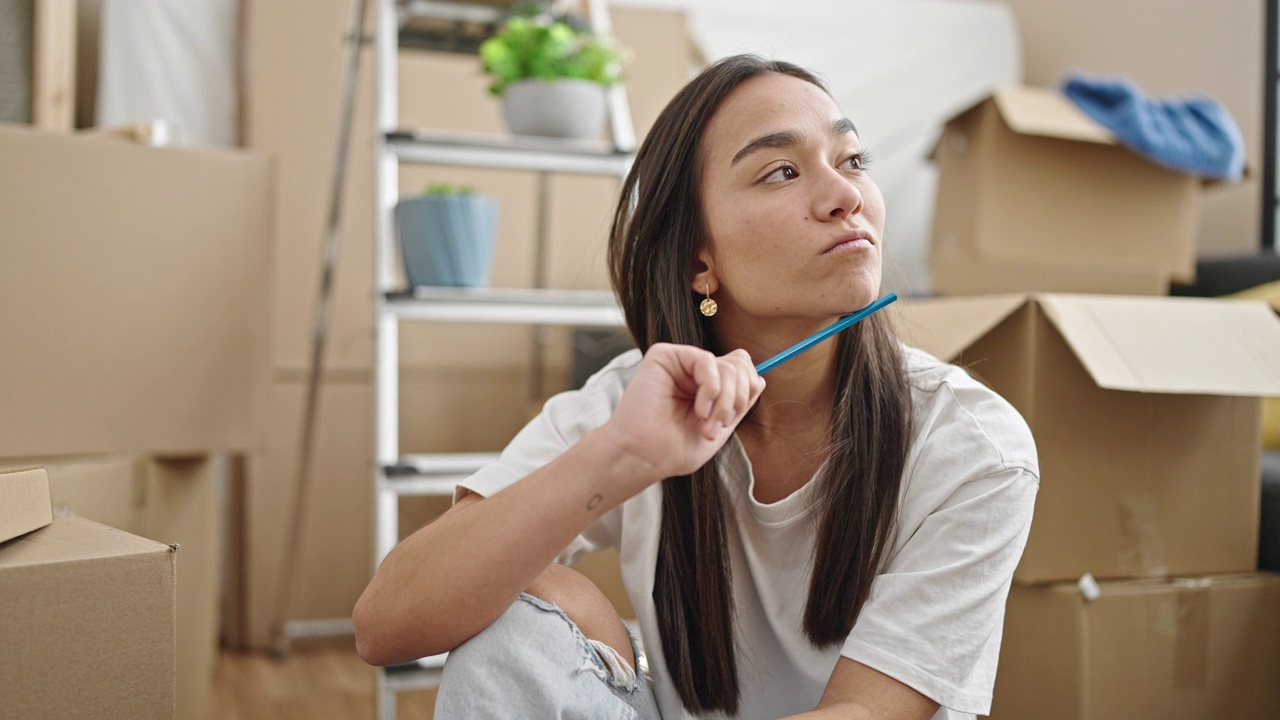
[(594, 501)]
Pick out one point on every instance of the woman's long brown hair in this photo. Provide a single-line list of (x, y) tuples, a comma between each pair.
[(656, 230)]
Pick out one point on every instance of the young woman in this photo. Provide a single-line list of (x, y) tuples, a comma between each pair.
[(838, 542)]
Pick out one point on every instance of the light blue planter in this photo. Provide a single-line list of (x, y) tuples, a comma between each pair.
[(447, 239)]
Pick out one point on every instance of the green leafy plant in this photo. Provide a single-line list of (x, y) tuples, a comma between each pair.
[(549, 48), (436, 188)]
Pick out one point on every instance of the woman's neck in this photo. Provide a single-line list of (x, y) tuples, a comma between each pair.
[(799, 394)]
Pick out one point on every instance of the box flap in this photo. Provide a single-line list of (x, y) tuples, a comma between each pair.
[(74, 539), (25, 503), (944, 327), (1048, 113), (1171, 345)]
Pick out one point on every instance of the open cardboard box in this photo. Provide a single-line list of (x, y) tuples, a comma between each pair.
[(1027, 178), (1203, 648), (88, 626), (1146, 416)]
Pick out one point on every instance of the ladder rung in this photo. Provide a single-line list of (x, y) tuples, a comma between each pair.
[(423, 674), (532, 306), (433, 475), (440, 464), (508, 152)]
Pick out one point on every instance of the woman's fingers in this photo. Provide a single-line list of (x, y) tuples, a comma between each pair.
[(724, 414), (723, 388), (747, 379), (706, 375)]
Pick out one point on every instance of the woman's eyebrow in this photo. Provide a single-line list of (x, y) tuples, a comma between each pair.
[(786, 138)]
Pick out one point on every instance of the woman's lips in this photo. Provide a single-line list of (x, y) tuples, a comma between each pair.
[(857, 242)]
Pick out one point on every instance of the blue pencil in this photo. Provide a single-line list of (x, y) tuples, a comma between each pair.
[(823, 334)]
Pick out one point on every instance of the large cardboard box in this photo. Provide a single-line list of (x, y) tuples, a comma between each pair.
[(1027, 178), (24, 502), (1146, 415), (171, 501), (88, 624), (1204, 648), (133, 295)]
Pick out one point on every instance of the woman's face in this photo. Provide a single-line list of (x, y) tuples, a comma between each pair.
[(795, 223)]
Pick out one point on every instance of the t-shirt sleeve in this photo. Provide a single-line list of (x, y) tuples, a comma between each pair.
[(564, 420), (935, 615)]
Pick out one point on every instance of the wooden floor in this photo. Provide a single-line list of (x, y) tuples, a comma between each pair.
[(318, 681)]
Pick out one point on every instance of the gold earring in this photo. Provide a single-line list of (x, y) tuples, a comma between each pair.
[(708, 306)]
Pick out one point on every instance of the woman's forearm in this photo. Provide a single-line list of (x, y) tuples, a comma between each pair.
[(454, 577)]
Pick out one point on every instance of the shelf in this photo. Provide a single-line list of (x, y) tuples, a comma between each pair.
[(508, 152), (433, 475), (451, 27), (586, 308)]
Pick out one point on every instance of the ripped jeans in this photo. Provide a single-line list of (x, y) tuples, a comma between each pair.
[(534, 662)]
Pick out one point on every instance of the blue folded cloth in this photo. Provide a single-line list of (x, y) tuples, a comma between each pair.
[(1196, 135)]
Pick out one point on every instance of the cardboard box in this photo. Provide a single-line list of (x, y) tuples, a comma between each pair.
[(1194, 649), (133, 295), (964, 275), (24, 502), (1146, 417), (172, 501), (88, 623), (1026, 177)]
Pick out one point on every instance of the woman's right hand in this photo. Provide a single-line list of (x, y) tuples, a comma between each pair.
[(681, 407)]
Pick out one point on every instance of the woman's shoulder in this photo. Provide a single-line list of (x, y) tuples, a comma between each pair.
[(595, 400), (965, 421)]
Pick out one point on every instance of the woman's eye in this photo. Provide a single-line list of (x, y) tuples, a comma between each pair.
[(858, 160), (786, 172)]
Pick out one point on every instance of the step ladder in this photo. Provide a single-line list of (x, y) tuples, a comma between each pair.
[(459, 27)]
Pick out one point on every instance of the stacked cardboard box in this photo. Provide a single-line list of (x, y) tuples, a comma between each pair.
[(1034, 196), (89, 623), (133, 307), (1146, 415)]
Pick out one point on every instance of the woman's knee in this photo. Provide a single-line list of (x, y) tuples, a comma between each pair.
[(586, 606)]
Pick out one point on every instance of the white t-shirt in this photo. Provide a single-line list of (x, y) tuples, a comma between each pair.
[(936, 611)]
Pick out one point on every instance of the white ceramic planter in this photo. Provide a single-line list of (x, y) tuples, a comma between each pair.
[(566, 108)]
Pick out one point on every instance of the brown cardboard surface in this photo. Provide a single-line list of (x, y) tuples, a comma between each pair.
[(172, 502), (1187, 346), (1016, 172), (964, 275), (89, 623), (24, 502), (133, 295), (1048, 113), (1205, 647), (1159, 477)]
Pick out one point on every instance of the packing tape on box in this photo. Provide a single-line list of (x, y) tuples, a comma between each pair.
[(1143, 553), (1191, 644)]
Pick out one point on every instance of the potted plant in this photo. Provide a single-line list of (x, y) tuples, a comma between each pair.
[(447, 236), (551, 73)]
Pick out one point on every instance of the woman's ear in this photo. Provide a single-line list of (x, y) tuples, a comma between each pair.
[(704, 280)]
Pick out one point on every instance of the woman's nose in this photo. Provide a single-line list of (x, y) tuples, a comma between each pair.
[(839, 198)]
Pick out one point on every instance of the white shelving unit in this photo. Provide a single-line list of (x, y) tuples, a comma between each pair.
[(458, 27)]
